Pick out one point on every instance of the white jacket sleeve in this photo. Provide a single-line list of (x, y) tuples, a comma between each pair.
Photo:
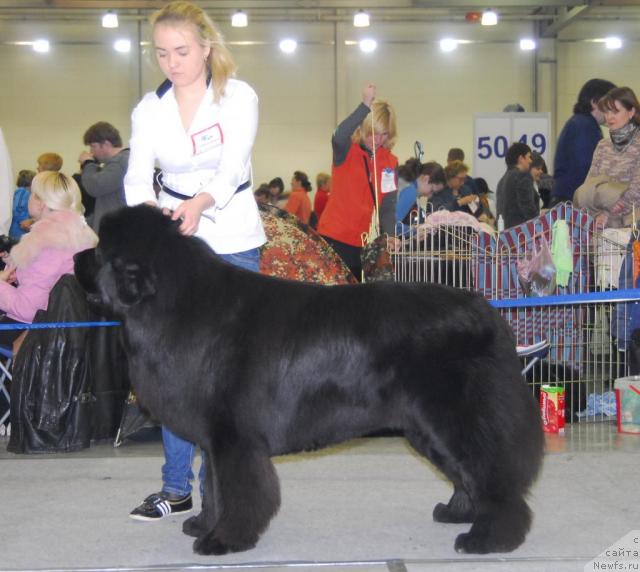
[(239, 126), (138, 182)]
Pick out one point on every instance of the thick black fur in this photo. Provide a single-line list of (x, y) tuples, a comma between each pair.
[(249, 366)]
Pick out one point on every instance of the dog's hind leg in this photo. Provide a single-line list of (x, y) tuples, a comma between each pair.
[(249, 494), (460, 507), (499, 514), (501, 526)]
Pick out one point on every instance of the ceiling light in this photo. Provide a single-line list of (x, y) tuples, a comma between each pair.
[(288, 46), (448, 44), (110, 20), (368, 45), (361, 19), (527, 44), (489, 18), (123, 46), (613, 43), (41, 46), (239, 19)]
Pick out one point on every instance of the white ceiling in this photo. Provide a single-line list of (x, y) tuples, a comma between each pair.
[(550, 15)]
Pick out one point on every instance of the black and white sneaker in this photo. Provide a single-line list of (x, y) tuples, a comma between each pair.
[(159, 505)]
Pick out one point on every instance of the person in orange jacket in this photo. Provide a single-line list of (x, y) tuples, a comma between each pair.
[(361, 142), (299, 203)]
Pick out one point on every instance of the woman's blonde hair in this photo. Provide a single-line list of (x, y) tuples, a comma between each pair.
[(322, 180), (57, 191), (383, 118), (220, 61)]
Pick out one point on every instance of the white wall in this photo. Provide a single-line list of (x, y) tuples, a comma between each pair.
[(48, 100)]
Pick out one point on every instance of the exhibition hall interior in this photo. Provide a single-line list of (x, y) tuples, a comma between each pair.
[(493, 196)]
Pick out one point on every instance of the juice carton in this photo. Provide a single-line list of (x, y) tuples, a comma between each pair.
[(628, 401), (552, 408)]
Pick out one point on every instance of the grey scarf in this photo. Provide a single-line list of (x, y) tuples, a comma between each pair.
[(621, 138)]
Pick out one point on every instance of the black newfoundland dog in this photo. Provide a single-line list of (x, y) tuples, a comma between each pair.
[(249, 366)]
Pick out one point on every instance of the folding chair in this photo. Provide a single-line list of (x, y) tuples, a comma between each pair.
[(6, 355)]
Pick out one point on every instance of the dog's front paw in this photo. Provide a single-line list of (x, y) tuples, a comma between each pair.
[(467, 544), (210, 544), (194, 526)]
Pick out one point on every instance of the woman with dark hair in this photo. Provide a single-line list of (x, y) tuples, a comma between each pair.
[(299, 204), (430, 180), (408, 172), (20, 203), (618, 157), (542, 181), (278, 196), (578, 140)]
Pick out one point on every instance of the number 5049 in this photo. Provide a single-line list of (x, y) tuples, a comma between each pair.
[(488, 146)]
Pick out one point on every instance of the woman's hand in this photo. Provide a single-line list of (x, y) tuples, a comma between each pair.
[(85, 156), (466, 200), (618, 207), (190, 211), (369, 94), (393, 243), (8, 274), (601, 219)]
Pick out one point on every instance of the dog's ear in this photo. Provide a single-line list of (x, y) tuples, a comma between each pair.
[(86, 269), (133, 282)]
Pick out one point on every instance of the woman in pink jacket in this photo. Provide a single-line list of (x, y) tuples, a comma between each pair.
[(43, 255)]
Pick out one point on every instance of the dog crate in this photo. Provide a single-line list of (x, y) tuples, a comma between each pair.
[(589, 340)]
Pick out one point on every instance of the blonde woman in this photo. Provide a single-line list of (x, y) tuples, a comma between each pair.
[(355, 183), (199, 126), (323, 189), (43, 255)]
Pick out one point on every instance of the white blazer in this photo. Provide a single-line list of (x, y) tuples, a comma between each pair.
[(213, 156)]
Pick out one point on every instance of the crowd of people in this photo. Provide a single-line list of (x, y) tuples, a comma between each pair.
[(600, 175)]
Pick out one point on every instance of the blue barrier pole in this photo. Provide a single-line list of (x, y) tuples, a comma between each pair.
[(57, 325), (613, 296)]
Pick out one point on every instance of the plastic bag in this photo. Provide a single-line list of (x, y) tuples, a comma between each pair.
[(537, 272)]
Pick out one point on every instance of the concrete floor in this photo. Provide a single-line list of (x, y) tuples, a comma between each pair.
[(359, 507)]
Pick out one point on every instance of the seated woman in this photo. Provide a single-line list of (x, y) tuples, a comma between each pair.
[(416, 197), (456, 196), (618, 157), (43, 255)]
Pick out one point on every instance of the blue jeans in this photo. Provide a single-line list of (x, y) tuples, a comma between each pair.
[(178, 453)]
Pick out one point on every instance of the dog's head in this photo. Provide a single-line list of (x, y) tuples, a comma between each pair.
[(121, 271)]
